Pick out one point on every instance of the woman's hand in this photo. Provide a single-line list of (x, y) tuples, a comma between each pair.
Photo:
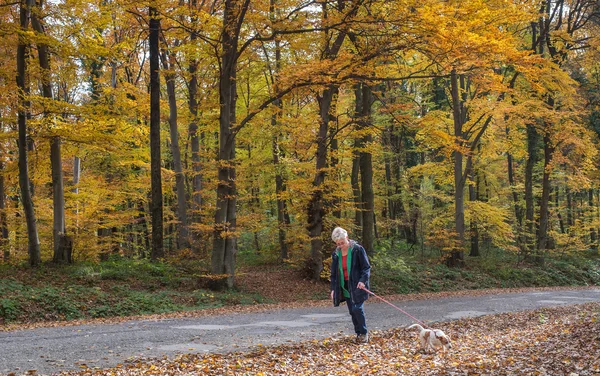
[(360, 286), (331, 294)]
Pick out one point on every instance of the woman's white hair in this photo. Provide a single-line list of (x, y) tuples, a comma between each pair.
[(338, 233)]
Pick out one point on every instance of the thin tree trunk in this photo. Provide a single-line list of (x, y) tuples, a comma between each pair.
[(512, 183), (24, 104), (283, 219), (334, 202), (591, 210), (366, 175), (473, 196), (76, 174), (145, 237), (62, 244), (457, 256), (543, 240), (518, 208), (193, 130), (183, 240), (388, 211), (75, 190), (532, 159), (155, 159), (355, 183), (355, 177), (4, 242), (570, 209), (561, 222)]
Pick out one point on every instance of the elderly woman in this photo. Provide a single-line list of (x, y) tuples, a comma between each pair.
[(350, 271)]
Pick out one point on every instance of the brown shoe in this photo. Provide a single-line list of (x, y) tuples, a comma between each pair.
[(363, 338)]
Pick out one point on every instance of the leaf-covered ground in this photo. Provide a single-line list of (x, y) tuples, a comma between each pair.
[(556, 341)]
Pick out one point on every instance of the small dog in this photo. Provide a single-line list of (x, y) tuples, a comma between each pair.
[(431, 339)]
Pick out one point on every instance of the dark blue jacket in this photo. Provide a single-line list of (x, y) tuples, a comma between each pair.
[(360, 271)]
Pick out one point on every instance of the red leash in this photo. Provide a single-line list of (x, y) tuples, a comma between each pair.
[(406, 313)]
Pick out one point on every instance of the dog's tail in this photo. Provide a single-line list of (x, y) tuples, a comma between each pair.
[(416, 326)]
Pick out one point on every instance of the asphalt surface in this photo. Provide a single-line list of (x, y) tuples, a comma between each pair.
[(52, 350)]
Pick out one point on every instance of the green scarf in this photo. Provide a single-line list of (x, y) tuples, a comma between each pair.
[(348, 263)]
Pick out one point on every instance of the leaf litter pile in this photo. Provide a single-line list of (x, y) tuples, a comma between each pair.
[(550, 341)]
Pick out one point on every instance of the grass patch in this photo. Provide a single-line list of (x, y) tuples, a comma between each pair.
[(118, 287)]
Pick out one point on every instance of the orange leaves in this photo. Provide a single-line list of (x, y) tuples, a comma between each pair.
[(471, 35), (504, 344)]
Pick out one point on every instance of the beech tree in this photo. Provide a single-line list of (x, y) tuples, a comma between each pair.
[(155, 168), (25, 7)]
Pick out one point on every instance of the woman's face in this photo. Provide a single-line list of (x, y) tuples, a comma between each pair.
[(343, 243)]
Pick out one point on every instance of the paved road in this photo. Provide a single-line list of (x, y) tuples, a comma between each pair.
[(51, 350)]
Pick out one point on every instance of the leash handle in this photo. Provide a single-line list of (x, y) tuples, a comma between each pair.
[(399, 309)]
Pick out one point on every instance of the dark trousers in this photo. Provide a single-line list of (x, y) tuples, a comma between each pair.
[(357, 313)]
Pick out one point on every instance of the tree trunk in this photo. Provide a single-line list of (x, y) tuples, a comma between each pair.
[(145, 237), (570, 220), (512, 183), (75, 190), (283, 219), (76, 174), (355, 183), (355, 177), (183, 240), (473, 196), (593, 233), (4, 241), (315, 207), (334, 202), (316, 210), (516, 204), (388, 211), (224, 238), (561, 222), (24, 104), (155, 159), (193, 131), (457, 255), (366, 175), (62, 248), (532, 159), (543, 240)]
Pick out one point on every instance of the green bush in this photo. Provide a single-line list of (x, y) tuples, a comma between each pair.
[(152, 303), (58, 303), (9, 309), (9, 286), (390, 268)]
